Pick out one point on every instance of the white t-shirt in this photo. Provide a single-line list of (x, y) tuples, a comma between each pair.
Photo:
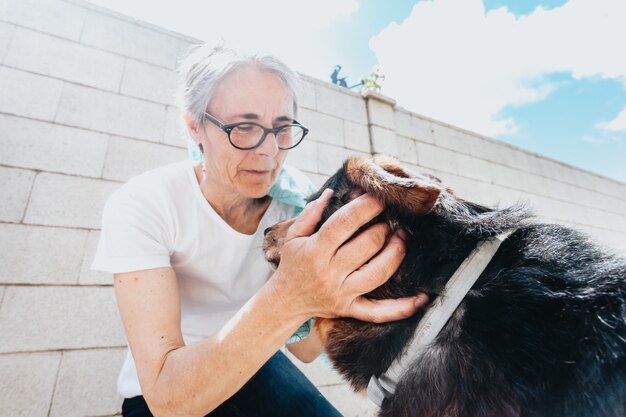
[(161, 219)]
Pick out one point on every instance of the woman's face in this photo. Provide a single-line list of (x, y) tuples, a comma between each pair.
[(254, 96)]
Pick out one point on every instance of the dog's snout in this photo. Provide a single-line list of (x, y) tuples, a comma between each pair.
[(266, 231)]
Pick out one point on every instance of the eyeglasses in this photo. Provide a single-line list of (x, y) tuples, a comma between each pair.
[(249, 135)]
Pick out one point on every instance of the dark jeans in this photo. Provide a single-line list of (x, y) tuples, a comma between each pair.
[(277, 389)]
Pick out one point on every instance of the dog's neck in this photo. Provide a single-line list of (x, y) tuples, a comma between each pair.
[(433, 256), (439, 241), (383, 386)]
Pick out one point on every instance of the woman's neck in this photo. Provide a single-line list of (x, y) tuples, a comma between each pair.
[(241, 213)]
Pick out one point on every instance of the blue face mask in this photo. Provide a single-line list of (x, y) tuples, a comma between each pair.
[(292, 187)]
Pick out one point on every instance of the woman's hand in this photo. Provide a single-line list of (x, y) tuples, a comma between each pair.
[(326, 274)]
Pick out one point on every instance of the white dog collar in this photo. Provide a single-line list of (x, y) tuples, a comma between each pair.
[(436, 316)]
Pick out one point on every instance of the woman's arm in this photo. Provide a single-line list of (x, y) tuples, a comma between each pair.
[(320, 275), (192, 380)]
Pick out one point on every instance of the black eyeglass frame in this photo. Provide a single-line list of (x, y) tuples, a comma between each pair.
[(275, 130)]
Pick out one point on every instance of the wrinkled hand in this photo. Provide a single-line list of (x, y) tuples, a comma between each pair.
[(325, 274)]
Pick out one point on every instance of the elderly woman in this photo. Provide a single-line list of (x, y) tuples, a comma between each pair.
[(204, 314)]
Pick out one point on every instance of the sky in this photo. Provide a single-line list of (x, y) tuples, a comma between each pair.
[(548, 76)]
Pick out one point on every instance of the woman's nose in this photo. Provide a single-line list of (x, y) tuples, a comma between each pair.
[(269, 146)]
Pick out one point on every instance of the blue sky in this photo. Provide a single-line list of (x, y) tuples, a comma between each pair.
[(563, 125), (544, 75)]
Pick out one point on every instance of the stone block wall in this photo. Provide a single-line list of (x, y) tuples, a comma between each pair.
[(86, 103)]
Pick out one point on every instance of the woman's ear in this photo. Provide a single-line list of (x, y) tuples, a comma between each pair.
[(193, 126), (390, 182)]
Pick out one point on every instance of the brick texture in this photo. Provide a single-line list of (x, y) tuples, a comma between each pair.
[(27, 383), (380, 113), (28, 143), (322, 127), (340, 103), (39, 100), (127, 158), (38, 255), (55, 17), (413, 127), (148, 82), (306, 97), (111, 113), (68, 60), (129, 39), (34, 318), (384, 141), (6, 34), (16, 186), (62, 200), (356, 136), (304, 156), (86, 384), (87, 276), (407, 149)]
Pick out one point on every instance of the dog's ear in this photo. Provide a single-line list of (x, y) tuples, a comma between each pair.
[(389, 181)]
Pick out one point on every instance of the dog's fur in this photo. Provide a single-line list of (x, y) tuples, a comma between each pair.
[(541, 333)]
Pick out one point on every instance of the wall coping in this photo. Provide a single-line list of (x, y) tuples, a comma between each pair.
[(380, 97)]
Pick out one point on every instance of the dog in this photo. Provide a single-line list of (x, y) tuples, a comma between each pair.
[(541, 333)]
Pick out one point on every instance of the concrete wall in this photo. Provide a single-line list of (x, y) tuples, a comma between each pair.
[(86, 103)]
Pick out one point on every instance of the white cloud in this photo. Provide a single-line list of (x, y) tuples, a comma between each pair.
[(600, 140), (592, 139), (452, 61), (617, 124), (297, 31)]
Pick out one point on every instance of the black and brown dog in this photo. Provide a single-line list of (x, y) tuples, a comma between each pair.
[(541, 333)]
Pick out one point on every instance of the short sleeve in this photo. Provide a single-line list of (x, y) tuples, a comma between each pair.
[(134, 235)]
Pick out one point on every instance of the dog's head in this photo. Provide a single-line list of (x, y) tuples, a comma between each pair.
[(406, 195), (441, 231)]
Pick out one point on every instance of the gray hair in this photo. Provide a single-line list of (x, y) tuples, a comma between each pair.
[(206, 66)]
